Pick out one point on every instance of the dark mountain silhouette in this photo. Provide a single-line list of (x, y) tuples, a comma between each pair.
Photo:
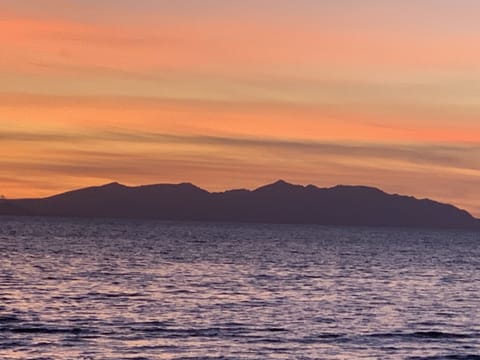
[(7, 208), (279, 202)]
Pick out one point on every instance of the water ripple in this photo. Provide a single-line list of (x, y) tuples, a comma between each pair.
[(109, 290)]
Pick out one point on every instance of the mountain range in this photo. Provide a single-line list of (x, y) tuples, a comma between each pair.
[(280, 202)]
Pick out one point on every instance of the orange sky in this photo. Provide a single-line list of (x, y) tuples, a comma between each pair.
[(239, 93)]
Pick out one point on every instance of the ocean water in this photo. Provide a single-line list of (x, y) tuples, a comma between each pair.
[(111, 289)]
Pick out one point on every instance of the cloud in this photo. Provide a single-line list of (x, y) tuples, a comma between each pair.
[(457, 156)]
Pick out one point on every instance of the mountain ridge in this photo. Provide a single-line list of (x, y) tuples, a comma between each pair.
[(278, 202)]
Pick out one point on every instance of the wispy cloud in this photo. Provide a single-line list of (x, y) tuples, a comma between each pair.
[(458, 156)]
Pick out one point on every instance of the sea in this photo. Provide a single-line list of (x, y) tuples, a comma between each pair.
[(137, 289)]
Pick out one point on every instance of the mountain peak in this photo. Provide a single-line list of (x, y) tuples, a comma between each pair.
[(281, 182), (278, 185), (114, 184)]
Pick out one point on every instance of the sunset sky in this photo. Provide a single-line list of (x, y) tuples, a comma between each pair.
[(230, 94)]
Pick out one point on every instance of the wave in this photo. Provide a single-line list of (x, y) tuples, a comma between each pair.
[(425, 335), (446, 357), (43, 330), (8, 318), (207, 332)]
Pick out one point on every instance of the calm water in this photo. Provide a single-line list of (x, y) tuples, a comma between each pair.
[(101, 289)]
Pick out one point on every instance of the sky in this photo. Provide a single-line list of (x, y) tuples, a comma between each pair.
[(236, 94)]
